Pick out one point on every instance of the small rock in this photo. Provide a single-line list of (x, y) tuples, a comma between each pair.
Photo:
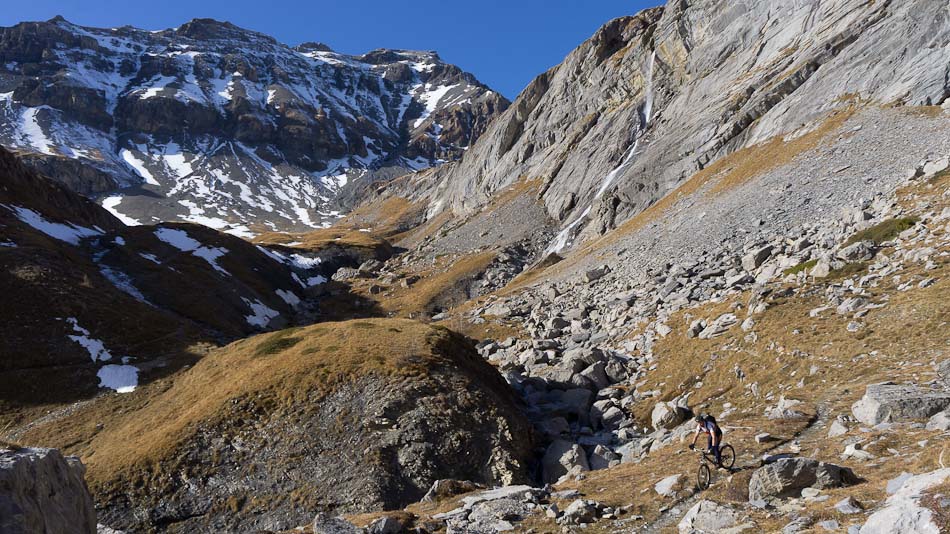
[(854, 452), (836, 429), (581, 512), (595, 274), (756, 258), (848, 506)]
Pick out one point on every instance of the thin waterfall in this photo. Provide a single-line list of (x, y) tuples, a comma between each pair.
[(565, 237)]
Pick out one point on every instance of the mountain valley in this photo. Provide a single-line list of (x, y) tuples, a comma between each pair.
[(261, 288)]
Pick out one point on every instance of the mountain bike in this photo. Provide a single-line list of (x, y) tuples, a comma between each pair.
[(707, 458)]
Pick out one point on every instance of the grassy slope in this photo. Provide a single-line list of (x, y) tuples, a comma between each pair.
[(321, 239), (279, 369)]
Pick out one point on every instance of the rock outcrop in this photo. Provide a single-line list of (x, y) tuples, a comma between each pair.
[(344, 417), (787, 477), (902, 512), (892, 403), (42, 491)]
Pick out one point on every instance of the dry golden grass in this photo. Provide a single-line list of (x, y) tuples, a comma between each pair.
[(441, 286), (390, 217), (279, 369), (321, 239), (940, 515)]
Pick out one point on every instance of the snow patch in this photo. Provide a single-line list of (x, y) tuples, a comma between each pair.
[(182, 241), (288, 296), (316, 280), (34, 135), (430, 98), (111, 205), (123, 282), (97, 350), (120, 378), (261, 315), (566, 236), (69, 233), (138, 165)]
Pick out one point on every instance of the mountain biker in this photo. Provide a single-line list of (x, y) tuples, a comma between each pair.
[(706, 424)]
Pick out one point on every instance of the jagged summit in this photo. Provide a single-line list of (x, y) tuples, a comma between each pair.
[(206, 28), (313, 46)]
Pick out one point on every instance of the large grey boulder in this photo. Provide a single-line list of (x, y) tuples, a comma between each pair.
[(43, 492), (886, 403), (902, 512), (860, 251), (580, 512), (561, 458), (708, 517), (668, 415), (787, 477), (755, 258)]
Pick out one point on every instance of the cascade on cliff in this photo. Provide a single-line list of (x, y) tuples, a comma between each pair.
[(566, 236)]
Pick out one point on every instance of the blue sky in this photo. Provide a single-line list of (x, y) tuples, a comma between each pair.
[(504, 43)]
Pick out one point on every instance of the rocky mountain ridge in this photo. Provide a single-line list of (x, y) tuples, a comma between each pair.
[(222, 126), (652, 99)]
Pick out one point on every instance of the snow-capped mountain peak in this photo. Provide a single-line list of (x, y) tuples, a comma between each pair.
[(216, 124)]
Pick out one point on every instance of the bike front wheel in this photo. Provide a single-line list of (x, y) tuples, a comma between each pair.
[(703, 477), (728, 456)]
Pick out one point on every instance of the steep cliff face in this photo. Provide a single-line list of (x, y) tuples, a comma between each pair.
[(41, 491), (651, 99), (214, 124)]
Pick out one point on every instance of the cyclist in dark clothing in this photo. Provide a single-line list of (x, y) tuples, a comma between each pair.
[(706, 424)]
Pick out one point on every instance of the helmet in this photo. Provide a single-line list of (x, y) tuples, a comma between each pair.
[(700, 417)]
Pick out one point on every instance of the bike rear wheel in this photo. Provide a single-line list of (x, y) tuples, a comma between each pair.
[(703, 476)]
